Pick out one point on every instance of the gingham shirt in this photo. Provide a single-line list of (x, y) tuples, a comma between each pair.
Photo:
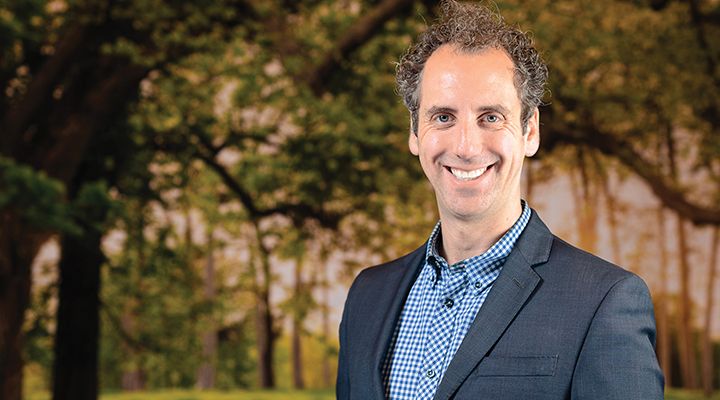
[(438, 312)]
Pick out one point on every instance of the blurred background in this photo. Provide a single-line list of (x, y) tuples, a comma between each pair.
[(187, 188)]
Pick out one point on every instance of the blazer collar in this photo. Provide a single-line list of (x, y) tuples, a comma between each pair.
[(404, 272), (513, 287)]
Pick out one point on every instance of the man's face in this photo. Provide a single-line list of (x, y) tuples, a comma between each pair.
[(471, 142)]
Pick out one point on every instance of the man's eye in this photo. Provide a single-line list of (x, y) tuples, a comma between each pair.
[(492, 118), (443, 118)]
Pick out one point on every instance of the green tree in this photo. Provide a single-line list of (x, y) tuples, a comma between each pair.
[(66, 72), (284, 117)]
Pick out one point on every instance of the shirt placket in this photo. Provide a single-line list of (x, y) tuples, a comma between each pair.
[(450, 288)]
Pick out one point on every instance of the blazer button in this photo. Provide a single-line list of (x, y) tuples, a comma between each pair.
[(449, 302)]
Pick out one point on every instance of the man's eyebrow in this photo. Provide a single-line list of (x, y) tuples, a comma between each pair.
[(494, 107), (439, 110)]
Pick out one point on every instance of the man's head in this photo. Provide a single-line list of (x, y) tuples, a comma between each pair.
[(473, 85), (473, 28)]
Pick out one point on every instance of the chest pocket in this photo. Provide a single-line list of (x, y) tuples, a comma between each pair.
[(517, 366)]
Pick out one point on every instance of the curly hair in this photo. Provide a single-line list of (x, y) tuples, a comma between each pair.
[(473, 28)]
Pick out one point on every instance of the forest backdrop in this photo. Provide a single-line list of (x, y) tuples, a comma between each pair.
[(203, 179)]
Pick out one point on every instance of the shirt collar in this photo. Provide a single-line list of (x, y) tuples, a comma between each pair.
[(500, 250)]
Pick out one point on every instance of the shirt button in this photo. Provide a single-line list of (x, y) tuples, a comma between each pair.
[(430, 373), (478, 285), (449, 302)]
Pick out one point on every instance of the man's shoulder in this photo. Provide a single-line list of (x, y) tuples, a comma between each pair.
[(569, 260), (379, 283), (390, 268)]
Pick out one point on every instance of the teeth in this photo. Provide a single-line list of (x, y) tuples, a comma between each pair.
[(467, 175)]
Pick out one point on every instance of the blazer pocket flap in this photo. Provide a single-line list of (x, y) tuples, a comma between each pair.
[(517, 366)]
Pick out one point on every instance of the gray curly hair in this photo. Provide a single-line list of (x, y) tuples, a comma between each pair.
[(473, 28)]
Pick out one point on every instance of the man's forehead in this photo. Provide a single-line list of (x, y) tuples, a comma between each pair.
[(450, 55), (449, 69)]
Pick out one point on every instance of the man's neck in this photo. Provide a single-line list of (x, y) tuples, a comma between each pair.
[(462, 239)]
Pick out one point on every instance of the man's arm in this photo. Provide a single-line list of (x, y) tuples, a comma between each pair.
[(617, 360), (342, 385)]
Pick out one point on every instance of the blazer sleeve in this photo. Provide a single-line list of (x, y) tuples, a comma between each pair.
[(617, 359), (342, 384)]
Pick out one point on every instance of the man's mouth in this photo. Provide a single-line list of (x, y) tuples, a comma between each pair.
[(465, 175)]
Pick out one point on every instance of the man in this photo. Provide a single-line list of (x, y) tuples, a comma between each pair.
[(493, 306)]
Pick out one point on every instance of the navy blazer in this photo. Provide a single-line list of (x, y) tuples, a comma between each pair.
[(558, 323)]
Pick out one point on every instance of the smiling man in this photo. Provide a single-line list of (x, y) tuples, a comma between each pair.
[(492, 306)]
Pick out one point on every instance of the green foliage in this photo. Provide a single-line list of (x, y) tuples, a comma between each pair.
[(19, 23), (155, 283), (170, 28), (38, 199), (150, 298), (314, 350), (234, 366), (631, 71), (40, 325), (94, 208)]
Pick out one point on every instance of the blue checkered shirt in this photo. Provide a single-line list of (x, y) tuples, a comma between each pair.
[(438, 312)]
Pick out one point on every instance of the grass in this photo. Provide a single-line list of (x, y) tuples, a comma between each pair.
[(176, 394), (689, 395), (228, 395)]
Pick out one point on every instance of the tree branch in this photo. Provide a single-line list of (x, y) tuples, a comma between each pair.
[(297, 212), (230, 182), (700, 31), (362, 31), (711, 61), (99, 106), (670, 195), (126, 336), (17, 119)]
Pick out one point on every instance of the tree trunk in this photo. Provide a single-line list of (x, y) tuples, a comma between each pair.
[(585, 207), (686, 348), (297, 363), (685, 324), (297, 320), (59, 159), (325, 308), (611, 207), (664, 344), (18, 247), (133, 378), (707, 354), (265, 341), (206, 371), (75, 368), (265, 334)]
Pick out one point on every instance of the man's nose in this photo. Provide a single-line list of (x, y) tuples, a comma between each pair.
[(469, 140)]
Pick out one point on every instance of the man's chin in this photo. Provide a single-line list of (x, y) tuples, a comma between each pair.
[(468, 213)]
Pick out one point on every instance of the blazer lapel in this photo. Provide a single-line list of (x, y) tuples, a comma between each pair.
[(514, 285), (405, 275)]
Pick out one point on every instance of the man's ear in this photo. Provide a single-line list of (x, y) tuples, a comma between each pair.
[(413, 143), (532, 134)]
